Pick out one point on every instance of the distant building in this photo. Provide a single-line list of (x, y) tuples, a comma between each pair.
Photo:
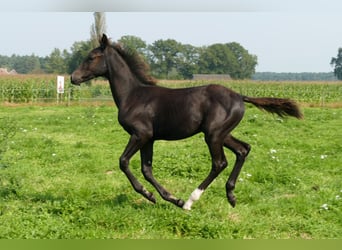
[(207, 77), (4, 71)]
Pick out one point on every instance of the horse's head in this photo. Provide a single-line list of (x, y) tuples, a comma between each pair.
[(93, 66)]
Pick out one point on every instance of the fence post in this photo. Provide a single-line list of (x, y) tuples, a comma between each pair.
[(60, 87)]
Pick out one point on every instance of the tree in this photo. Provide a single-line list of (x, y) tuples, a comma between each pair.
[(133, 43), (246, 62), (5, 62), (79, 51), (98, 28), (187, 63), (337, 62), (218, 59), (163, 57), (25, 64), (229, 58), (55, 62)]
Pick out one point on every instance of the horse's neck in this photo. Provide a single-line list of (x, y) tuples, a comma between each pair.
[(121, 79)]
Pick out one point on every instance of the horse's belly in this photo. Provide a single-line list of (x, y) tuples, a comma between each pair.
[(175, 131)]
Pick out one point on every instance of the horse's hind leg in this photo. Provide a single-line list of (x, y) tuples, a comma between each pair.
[(219, 163), (146, 154), (241, 150)]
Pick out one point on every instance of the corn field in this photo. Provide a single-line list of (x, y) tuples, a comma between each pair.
[(42, 88)]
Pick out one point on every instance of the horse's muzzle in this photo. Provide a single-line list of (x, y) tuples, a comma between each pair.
[(75, 79)]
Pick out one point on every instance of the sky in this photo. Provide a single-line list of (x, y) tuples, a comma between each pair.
[(287, 37)]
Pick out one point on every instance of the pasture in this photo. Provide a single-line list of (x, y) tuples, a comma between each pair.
[(59, 174)]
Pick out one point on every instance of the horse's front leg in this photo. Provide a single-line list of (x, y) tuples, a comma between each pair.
[(132, 147), (146, 153)]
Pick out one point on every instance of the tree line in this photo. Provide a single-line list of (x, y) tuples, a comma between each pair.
[(168, 59), (302, 76), (58, 61)]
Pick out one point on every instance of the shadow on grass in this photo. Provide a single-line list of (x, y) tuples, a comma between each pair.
[(45, 197), (58, 202), (136, 203)]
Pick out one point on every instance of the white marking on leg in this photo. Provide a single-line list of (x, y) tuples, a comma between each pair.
[(195, 195)]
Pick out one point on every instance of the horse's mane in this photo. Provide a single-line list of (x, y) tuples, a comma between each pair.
[(137, 64)]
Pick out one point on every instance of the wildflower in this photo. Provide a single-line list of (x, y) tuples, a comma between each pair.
[(325, 206), (275, 158), (273, 151), (323, 157), (248, 175), (337, 197), (53, 154)]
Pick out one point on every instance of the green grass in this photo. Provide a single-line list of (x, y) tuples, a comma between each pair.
[(59, 178)]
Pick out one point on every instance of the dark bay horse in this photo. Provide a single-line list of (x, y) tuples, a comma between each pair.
[(149, 112)]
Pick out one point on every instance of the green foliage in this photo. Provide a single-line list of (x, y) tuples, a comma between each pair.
[(188, 60), (163, 57), (217, 59), (310, 93), (245, 61), (133, 43), (55, 63), (168, 59), (21, 64), (79, 51), (337, 63), (62, 179), (230, 58), (7, 131), (42, 88), (303, 76)]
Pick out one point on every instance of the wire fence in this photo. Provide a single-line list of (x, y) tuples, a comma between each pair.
[(25, 94)]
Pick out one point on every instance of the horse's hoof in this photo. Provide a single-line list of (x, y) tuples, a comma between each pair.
[(180, 203), (231, 199), (152, 199)]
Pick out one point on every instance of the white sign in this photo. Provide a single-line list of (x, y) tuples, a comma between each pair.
[(60, 84)]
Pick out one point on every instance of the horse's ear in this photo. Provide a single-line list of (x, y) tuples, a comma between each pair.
[(104, 42)]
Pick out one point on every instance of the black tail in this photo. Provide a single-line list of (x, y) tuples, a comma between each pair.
[(280, 106)]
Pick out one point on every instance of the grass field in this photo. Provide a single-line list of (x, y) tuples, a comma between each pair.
[(59, 178)]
